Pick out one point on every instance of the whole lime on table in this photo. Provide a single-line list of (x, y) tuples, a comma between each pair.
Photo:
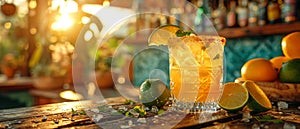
[(153, 92), (290, 71)]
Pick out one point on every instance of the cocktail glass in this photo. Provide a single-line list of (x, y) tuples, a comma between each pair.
[(196, 72)]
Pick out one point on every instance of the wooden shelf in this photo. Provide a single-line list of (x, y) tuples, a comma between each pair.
[(14, 84), (271, 29)]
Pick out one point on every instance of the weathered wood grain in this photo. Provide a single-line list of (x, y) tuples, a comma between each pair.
[(277, 91), (61, 115)]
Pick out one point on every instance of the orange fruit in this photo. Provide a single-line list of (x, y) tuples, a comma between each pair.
[(290, 45), (259, 69), (277, 61)]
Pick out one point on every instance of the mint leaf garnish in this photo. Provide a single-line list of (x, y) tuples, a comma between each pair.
[(181, 33)]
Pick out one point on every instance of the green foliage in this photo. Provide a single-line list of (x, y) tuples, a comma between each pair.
[(268, 118), (75, 112), (103, 57), (139, 110), (129, 102), (181, 33), (52, 70)]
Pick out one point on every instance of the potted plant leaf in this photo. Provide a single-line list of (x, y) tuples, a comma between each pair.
[(103, 60), (9, 65), (49, 66), (48, 77)]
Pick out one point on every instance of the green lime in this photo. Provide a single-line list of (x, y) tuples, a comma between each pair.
[(153, 92), (290, 71), (258, 100), (234, 97)]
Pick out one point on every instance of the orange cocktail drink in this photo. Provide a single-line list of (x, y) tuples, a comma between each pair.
[(196, 69)]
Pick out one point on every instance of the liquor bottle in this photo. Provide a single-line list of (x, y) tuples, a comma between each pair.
[(273, 11), (252, 15), (298, 10), (242, 12), (288, 12), (207, 19), (140, 18), (177, 10), (262, 12), (231, 19), (219, 16), (198, 22)]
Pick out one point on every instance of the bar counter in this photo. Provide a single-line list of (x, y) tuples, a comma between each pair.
[(104, 114)]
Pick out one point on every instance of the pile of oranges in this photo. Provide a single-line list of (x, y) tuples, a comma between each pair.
[(263, 70)]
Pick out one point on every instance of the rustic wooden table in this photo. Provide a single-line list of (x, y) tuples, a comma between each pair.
[(52, 96), (88, 114)]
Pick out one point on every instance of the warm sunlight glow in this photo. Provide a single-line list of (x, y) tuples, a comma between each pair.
[(7, 25), (33, 31), (61, 50), (32, 4), (56, 4), (106, 3), (105, 16), (85, 20), (53, 39), (70, 95), (64, 22), (91, 8), (65, 7), (69, 6)]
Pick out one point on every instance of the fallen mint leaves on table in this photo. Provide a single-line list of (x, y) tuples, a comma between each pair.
[(129, 102), (75, 112), (268, 118)]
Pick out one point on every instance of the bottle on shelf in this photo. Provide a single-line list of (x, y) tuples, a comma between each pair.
[(199, 19), (262, 12), (231, 18), (219, 15), (288, 12), (297, 10), (187, 20), (207, 20), (138, 7), (273, 12), (252, 15), (242, 12)]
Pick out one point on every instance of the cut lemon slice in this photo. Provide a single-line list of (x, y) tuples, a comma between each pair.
[(258, 100), (161, 34), (234, 97)]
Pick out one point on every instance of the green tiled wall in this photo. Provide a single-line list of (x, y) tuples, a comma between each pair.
[(240, 50), (151, 63)]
